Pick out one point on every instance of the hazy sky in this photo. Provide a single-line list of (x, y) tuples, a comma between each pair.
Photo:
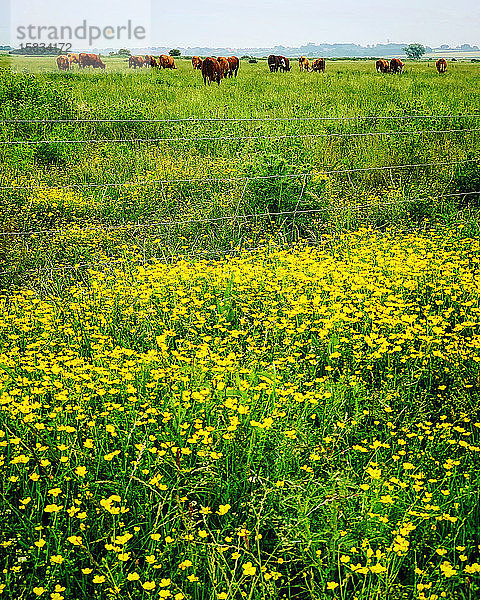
[(255, 23), (295, 22)]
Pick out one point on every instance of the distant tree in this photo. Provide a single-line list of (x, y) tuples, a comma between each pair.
[(175, 52), (415, 51), (124, 52)]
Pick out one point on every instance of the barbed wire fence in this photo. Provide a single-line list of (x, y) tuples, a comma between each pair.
[(404, 116), (236, 218)]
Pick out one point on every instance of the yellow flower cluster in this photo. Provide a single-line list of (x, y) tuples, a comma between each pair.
[(208, 425)]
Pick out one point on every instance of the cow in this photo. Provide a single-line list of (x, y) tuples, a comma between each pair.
[(90, 60), (63, 63), (304, 63), (441, 65), (284, 63), (150, 61), (197, 62), (382, 66), (211, 71), (74, 59), (224, 66), (273, 63), (166, 62), (136, 61), (318, 65), (233, 64), (396, 65)]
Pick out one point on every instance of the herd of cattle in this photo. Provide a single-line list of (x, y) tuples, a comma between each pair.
[(316, 65), (162, 62), (66, 62), (216, 69), (396, 65)]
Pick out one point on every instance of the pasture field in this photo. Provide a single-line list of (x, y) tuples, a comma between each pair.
[(152, 173), (239, 333)]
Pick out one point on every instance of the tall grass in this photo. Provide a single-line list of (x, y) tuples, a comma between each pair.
[(296, 423), (300, 424), (347, 89)]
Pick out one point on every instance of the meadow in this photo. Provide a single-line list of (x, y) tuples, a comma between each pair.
[(202, 398), (93, 185)]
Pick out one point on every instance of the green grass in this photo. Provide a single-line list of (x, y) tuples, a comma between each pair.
[(347, 89), (296, 423)]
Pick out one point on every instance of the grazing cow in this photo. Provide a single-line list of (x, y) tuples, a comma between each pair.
[(441, 65), (382, 66), (74, 59), (166, 62), (224, 66), (318, 65), (284, 63), (136, 61), (90, 60), (197, 62), (273, 63), (304, 63), (150, 61), (233, 65), (211, 71), (396, 65), (63, 63)]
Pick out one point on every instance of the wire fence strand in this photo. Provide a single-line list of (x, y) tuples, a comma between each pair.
[(245, 119), (317, 172), (175, 223), (174, 256), (244, 138)]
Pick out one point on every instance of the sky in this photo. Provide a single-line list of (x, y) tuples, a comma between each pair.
[(224, 23)]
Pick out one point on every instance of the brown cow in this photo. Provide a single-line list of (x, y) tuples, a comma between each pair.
[(136, 61), (284, 63), (273, 63), (197, 62), (74, 59), (224, 66), (318, 65), (382, 66), (150, 61), (90, 60), (63, 63), (166, 62), (396, 65), (211, 71), (441, 65), (304, 63), (233, 65), (276, 63)]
